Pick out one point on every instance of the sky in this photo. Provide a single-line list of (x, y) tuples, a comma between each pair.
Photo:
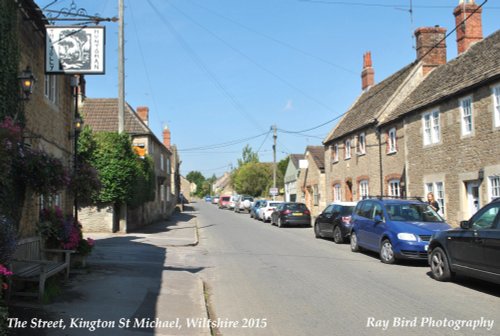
[(221, 73)]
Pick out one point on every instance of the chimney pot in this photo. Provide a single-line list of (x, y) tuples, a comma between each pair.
[(470, 31), (166, 137), (431, 47), (368, 74), (143, 112)]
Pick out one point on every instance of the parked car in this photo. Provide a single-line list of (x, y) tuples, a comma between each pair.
[(335, 221), (266, 211), (208, 199), (287, 214), (215, 199), (232, 202), (472, 250), (396, 228), (254, 210), (244, 203), (224, 202)]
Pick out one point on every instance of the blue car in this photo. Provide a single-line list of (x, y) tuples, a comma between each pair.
[(396, 228), (208, 198), (254, 210)]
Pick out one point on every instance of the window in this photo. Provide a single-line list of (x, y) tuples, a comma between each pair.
[(437, 188), (169, 168), (50, 87), (496, 105), (347, 149), (466, 113), (50, 201), (494, 187), (337, 192), (391, 141), (431, 127), (361, 146), (485, 219), (162, 193), (363, 189), (168, 193), (162, 162), (316, 194), (335, 157), (394, 188)]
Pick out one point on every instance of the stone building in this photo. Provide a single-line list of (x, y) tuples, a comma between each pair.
[(452, 125), (48, 112), (290, 179), (102, 115), (311, 180)]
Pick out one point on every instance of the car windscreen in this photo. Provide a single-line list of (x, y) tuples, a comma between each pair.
[(274, 204), (225, 198), (296, 207), (412, 213), (248, 199), (347, 210)]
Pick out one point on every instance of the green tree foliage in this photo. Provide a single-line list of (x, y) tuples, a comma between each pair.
[(9, 62), (144, 189), (117, 165), (197, 178), (253, 178), (248, 156)]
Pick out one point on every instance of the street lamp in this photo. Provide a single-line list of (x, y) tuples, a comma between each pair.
[(27, 81)]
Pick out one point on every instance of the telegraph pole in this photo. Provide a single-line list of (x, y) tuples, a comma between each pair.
[(121, 68), (275, 136)]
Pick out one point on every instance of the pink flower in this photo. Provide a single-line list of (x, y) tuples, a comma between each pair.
[(5, 286), (4, 271)]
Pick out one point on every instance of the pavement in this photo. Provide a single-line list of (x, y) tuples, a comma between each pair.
[(133, 284)]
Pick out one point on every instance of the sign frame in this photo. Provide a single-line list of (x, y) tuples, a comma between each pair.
[(75, 50)]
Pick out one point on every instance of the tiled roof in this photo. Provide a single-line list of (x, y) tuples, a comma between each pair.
[(480, 63), (370, 104), (295, 159), (318, 154), (101, 114)]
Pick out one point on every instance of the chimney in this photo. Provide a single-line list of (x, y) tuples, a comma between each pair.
[(470, 31), (143, 112), (367, 75), (166, 137), (429, 52)]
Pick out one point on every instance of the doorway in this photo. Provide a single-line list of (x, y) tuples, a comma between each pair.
[(473, 202), (348, 191)]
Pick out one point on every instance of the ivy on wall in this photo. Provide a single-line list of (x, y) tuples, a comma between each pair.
[(9, 62)]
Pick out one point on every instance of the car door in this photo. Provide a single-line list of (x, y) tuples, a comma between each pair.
[(374, 229), (323, 219), (466, 246), (364, 223), (488, 239)]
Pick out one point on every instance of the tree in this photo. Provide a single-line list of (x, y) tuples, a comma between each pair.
[(197, 178), (253, 178), (248, 156)]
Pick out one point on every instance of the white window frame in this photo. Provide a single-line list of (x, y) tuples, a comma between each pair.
[(361, 144), (394, 187), (50, 88), (162, 192), (316, 195), (335, 153), (496, 105), (432, 127), (494, 186), (347, 147), (364, 190), (162, 162), (437, 188), (337, 192), (466, 116), (392, 139)]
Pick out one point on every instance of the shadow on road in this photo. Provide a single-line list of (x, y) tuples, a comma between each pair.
[(474, 284)]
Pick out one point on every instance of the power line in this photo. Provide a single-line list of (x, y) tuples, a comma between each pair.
[(313, 128), (223, 144), (251, 60), (275, 40), (366, 4), (198, 61)]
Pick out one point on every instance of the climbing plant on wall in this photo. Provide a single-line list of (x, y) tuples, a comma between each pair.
[(9, 63)]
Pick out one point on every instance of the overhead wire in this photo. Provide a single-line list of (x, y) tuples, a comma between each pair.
[(199, 62), (223, 144), (251, 60)]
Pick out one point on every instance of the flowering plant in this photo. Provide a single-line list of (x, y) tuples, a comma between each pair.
[(4, 272), (63, 232)]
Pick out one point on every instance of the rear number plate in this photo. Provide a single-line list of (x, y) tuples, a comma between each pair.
[(297, 213)]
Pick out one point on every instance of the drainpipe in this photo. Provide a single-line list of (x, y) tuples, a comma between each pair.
[(379, 136)]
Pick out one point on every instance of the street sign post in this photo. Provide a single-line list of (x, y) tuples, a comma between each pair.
[(273, 191)]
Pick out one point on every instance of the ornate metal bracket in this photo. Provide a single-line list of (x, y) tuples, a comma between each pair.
[(73, 13)]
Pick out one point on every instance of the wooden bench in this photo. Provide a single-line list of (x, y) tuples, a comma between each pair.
[(30, 264)]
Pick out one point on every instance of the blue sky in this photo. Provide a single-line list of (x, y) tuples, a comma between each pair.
[(217, 71)]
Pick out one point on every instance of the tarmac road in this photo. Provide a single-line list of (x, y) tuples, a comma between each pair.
[(288, 283)]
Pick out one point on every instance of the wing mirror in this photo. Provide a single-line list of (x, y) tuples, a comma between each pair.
[(378, 219), (465, 225)]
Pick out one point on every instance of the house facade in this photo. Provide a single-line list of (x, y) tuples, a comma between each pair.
[(452, 125), (48, 112), (102, 115), (290, 179), (311, 180)]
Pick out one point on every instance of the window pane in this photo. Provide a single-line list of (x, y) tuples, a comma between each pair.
[(496, 95), (466, 115), (495, 186)]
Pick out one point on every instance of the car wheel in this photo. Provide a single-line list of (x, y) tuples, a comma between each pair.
[(337, 235), (439, 265), (280, 225), (387, 252), (354, 242), (317, 234)]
